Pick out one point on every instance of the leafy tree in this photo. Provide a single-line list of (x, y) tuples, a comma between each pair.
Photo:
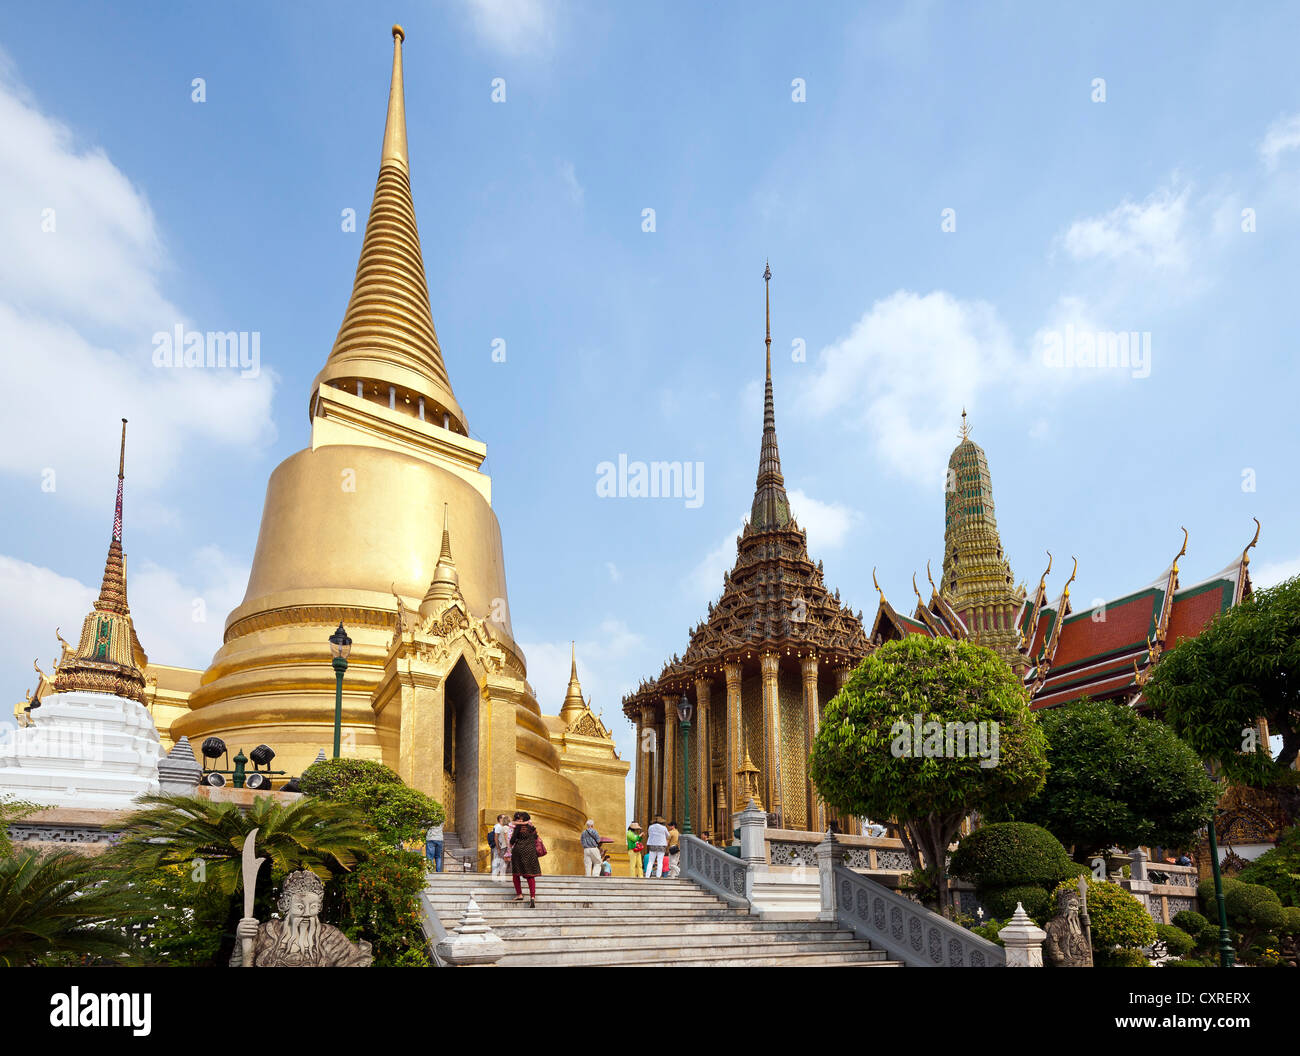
[(379, 898), (1244, 666), (57, 907), (863, 761), (1253, 910), (1117, 778)]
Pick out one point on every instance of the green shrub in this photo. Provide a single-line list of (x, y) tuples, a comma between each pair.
[(1278, 869), (1000, 903), (989, 930), (1290, 921), (1120, 958), (1191, 922), (1253, 910), (1177, 942), (331, 777), (1191, 962), (1010, 853), (398, 813), (1119, 922)]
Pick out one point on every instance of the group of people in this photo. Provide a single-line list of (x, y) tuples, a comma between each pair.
[(657, 853), (512, 841)]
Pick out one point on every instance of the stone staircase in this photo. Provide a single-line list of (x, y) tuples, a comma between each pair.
[(619, 921), (454, 853)]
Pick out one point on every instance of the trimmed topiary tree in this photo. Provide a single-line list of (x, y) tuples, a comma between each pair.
[(1010, 862), (866, 761), (1253, 910), (1117, 778), (1177, 942)]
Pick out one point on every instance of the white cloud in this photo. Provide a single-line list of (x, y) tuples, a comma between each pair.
[(1274, 572), (615, 575), (81, 297), (1282, 135), (907, 369), (514, 27), (827, 523), (1151, 233)]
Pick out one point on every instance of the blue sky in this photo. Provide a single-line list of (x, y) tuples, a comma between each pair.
[(1070, 214)]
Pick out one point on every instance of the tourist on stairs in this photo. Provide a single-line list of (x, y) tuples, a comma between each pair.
[(674, 850), (524, 857), (657, 841), (591, 848), (500, 845), (635, 849), (433, 846)]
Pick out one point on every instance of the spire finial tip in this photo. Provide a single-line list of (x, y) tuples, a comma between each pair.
[(399, 33)]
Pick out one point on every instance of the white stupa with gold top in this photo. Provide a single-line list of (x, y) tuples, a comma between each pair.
[(90, 743), (360, 527)]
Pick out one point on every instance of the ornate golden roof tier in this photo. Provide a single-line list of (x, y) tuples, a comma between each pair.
[(108, 658), (387, 349)]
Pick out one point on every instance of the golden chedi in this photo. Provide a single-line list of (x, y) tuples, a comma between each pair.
[(361, 527)]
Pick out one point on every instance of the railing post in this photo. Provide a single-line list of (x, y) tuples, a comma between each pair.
[(753, 823), (830, 854), (1023, 940)]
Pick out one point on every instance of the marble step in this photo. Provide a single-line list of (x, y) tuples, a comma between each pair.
[(638, 942), (580, 928), (716, 954)]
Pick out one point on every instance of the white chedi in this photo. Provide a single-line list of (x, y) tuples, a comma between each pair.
[(88, 750)]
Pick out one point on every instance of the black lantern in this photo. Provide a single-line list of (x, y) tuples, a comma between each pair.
[(684, 710), (340, 644)]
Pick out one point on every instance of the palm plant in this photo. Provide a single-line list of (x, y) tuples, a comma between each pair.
[(176, 831), (56, 907)]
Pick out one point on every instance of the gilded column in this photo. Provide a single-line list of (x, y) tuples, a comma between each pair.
[(769, 664), (702, 793), (842, 676), (638, 794), (648, 755), (733, 756), (670, 758), (815, 813)]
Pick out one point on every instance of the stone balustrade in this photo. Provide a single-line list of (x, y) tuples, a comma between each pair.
[(725, 875)]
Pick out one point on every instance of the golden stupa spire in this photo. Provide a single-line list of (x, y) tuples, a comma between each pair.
[(394, 151), (108, 658), (387, 349), (573, 705)]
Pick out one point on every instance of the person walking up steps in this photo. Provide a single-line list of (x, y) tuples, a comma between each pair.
[(674, 850), (591, 848), (524, 855), (657, 842), (433, 843)]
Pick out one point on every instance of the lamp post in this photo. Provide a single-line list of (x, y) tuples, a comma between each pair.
[(684, 710), (1227, 955), (340, 648)]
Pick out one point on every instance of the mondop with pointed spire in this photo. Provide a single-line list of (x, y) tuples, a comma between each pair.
[(782, 643)]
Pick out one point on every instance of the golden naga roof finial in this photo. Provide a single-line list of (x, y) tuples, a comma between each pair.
[(1245, 554), (1066, 593), (1174, 567), (36, 666), (930, 577), (66, 647), (920, 601), (876, 583)]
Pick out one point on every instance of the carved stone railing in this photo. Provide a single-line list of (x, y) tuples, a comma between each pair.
[(905, 929), (725, 875)]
